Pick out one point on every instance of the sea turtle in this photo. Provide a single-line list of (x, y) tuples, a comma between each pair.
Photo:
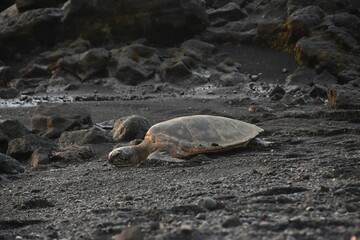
[(183, 137)]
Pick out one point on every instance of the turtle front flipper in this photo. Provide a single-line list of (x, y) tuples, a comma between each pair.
[(163, 157)]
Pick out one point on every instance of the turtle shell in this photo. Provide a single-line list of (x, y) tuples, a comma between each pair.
[(191, 135)]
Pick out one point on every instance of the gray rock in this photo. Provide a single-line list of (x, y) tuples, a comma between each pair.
[(348, 75), (5, 4), (319, 50), (221, 35), (307, 17), (131, 233), (347, 21), (21, 148), (4, 142), (342, 37), (231, 222), (39, 157), (25, 5), (228, 66), (133, 64), (208, 203), (325, 78), (343, 97), (92, 135), (27, 83), (34, 70), (9, 165), (233, 79), (303, 76), (36, 26), (48, 121), (318, 91), (161, 21), (86, 65), (229, 12), (8, 93), (130, 128), (177, 70), (4, 75), (277, 90), (197, 49), (13, 128), (72, 153)]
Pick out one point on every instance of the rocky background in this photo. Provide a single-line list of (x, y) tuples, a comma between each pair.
[(72, 72)]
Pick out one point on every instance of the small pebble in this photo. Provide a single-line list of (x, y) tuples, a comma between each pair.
[(309, 209), (200, 216), (132, 233), (231, 222), (284, 70), (186, 228), (254, 77), (208, 203)]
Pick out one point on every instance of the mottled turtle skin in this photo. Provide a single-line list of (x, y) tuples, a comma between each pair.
[(187, 136)]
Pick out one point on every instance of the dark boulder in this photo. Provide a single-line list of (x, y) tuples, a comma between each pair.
[(133, 64), (130, 128), (318, 91), (92, 135), (21, 84), (72, 153), (229, 12), (13, 128), (319, 50), (4, 4), (23, 32), (178, 70), (22, 148), (347, 21), (8, 93), (343, 97), (233, 79), (197, 49), (9, 165), (4, 142), (25, 5), (302, 77), (86, 65), (160, 21), (51, 122), (348, 75), (4, 75)]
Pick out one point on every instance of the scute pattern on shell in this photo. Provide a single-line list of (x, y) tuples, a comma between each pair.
[(202, 133)]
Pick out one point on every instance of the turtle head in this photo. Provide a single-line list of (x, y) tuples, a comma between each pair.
[(123, 156)]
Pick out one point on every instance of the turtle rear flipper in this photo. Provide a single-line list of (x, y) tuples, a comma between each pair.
[(259, 142)]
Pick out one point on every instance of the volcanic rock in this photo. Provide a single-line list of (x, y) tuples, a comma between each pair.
[(229, 12), (197, 49), (13, 128), (343, 97), (72, 153), (38, 27), (130, 128), (22, 148), (25, 5), (133, 64), (50, 122), (8, 93), (92, 135), (86, 65), (9, 165), (160, 21), (4, 72)]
